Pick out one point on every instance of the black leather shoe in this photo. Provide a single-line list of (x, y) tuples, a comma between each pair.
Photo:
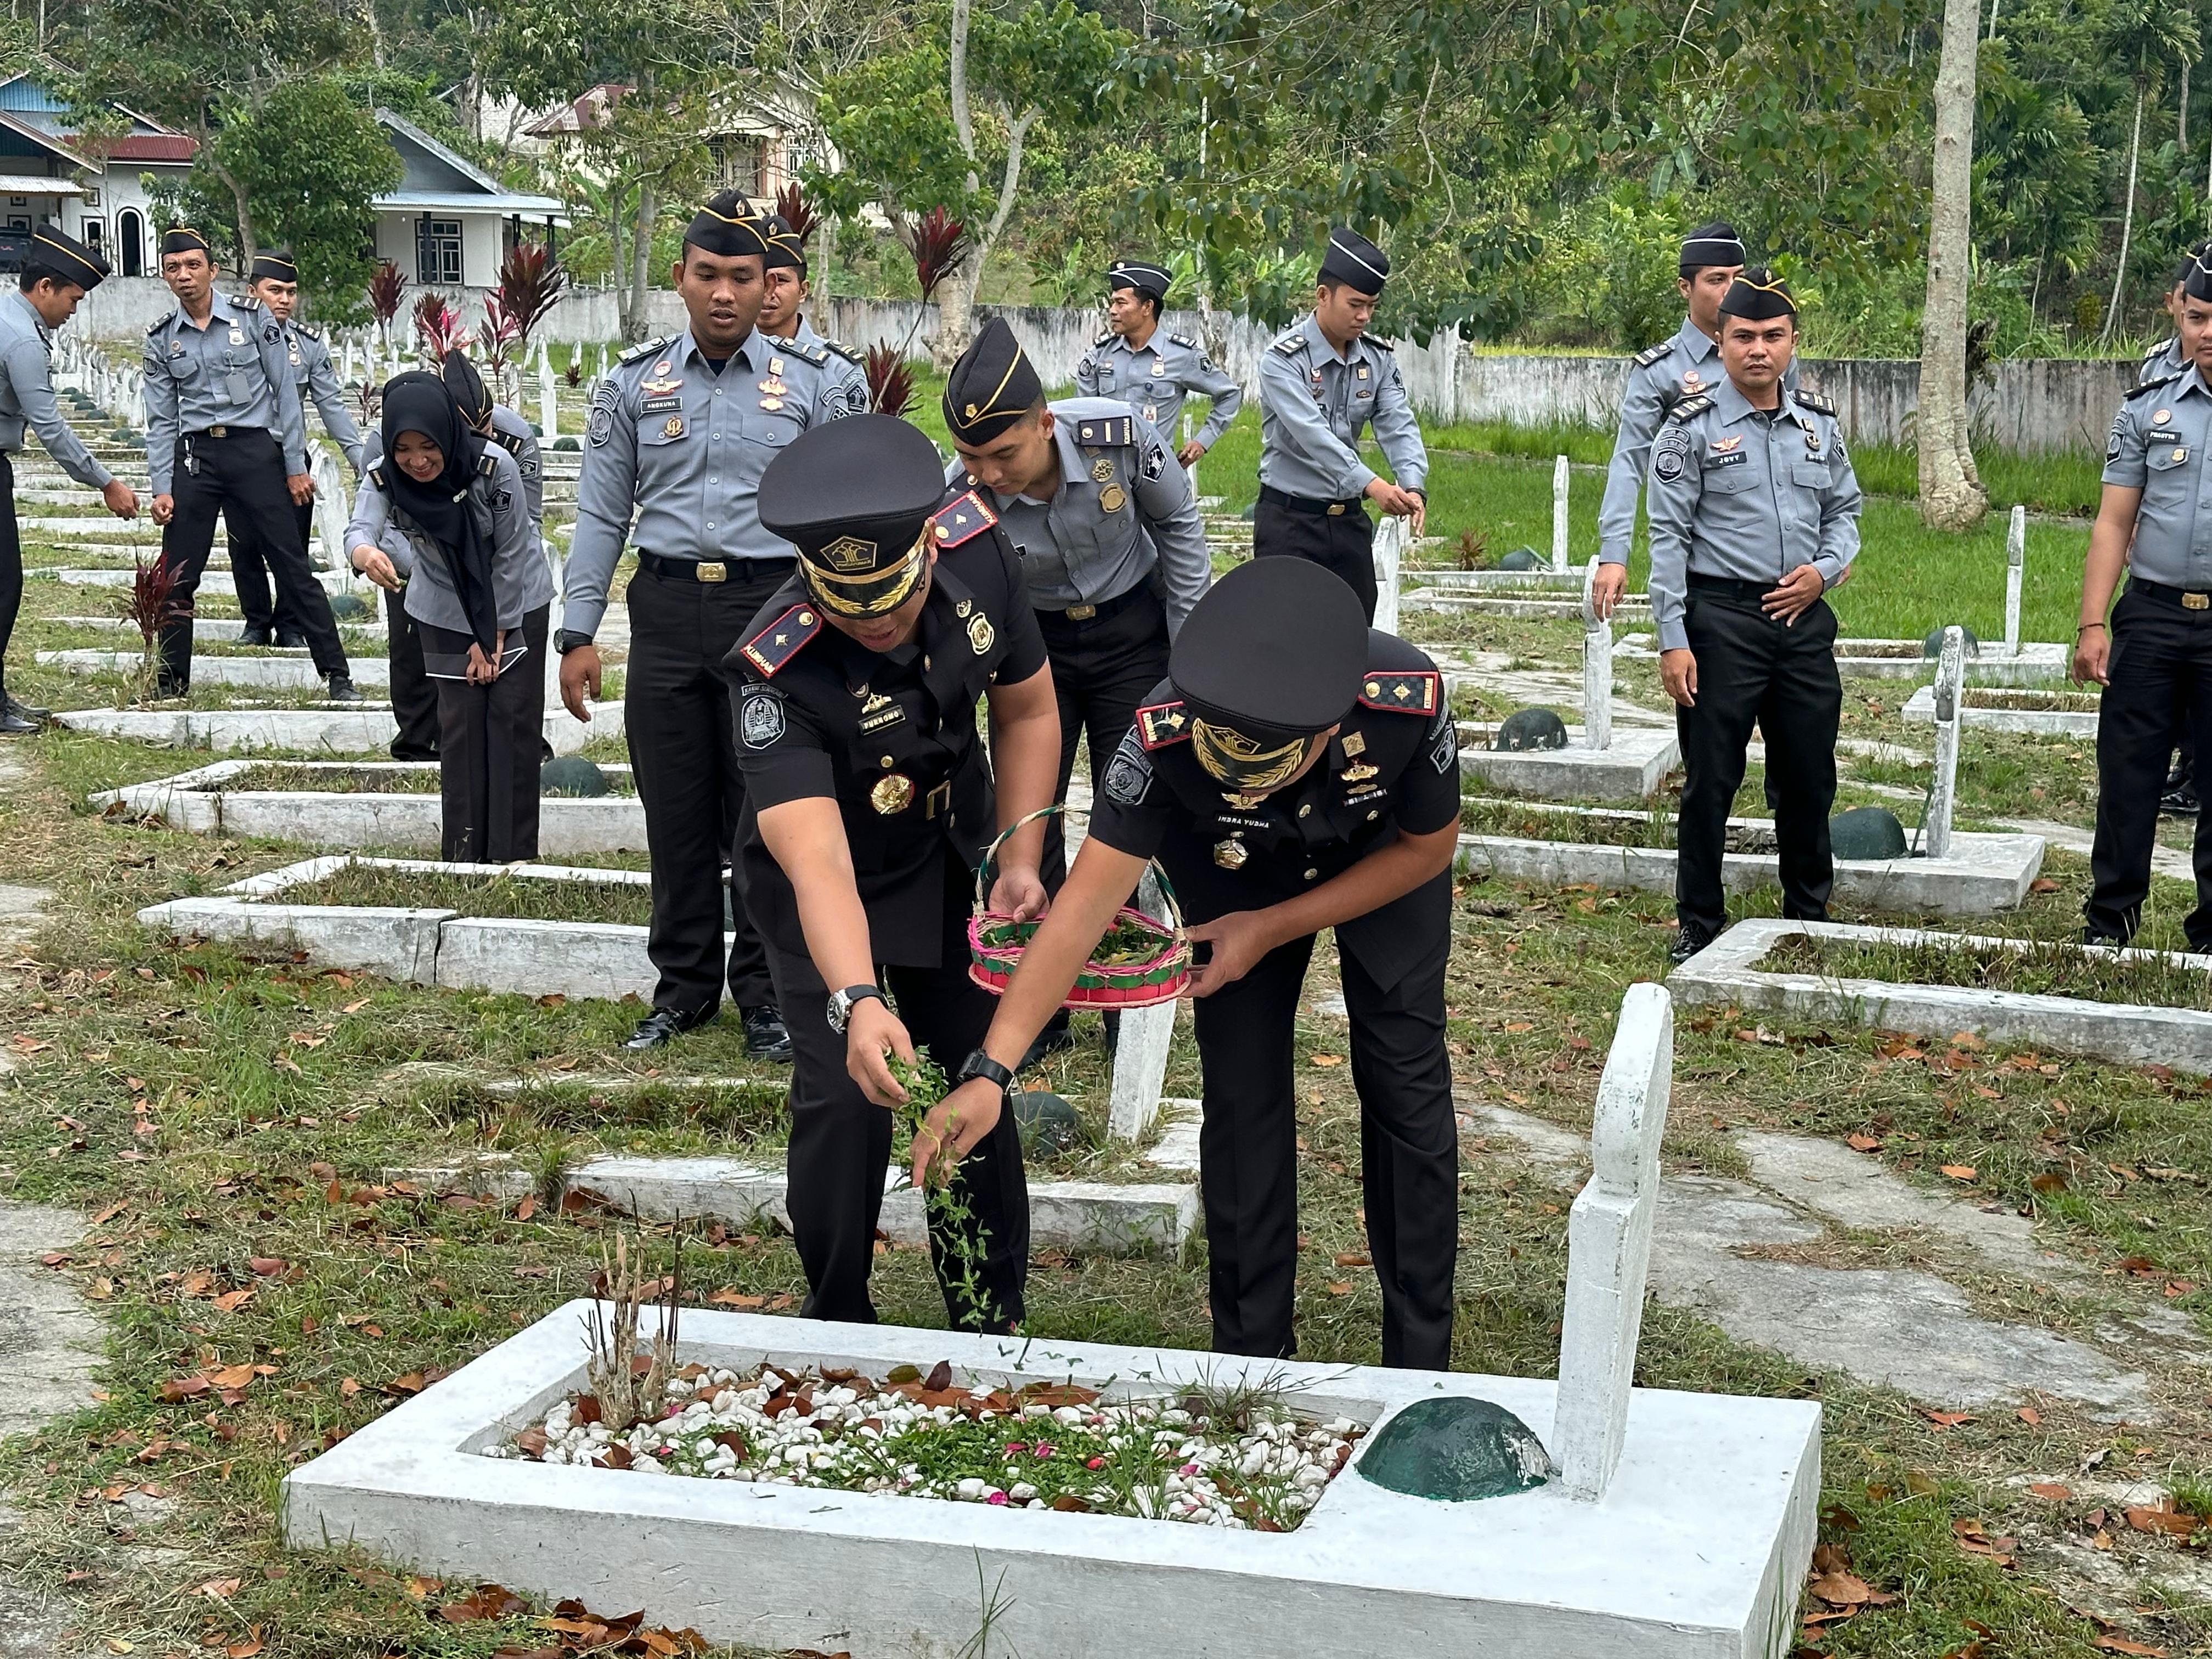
[(2091, 936), (766, 1038), (2179, 801), (342, 689), (14, 725), (1049, 1041), (255, 636), (1687, 943), (24, 711), (663, 1026), (292, 641)]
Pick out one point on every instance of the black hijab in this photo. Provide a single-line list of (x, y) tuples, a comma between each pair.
[(419, 402)]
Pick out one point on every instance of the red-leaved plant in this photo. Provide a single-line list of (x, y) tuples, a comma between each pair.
[(793, 207), (938, 242), (891, 380), (438, 329), (386, 289)]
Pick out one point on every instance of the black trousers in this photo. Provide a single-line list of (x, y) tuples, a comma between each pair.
[(2160, 685), (840, 1145), (684, 755), (257, 602), (243, 473), (1102, 672), (414, 699), (1751, 667), (1342, 542), (489, 738), (1408, 1148), (11, 564)]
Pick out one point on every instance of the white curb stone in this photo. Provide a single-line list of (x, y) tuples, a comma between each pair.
[(1999, 709), (1696, 1553), (291, 673), (2033, 664), (1631, 768), (2129, 1033), (338, 729)]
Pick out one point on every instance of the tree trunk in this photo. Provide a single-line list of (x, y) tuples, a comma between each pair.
[(1951, 495), (956, 296), (2127, 223), (957, 299), (247, 247), (640, 259), (616, 214)]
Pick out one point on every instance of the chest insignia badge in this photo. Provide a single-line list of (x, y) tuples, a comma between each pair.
[(1152, 413), (771, 402), (2161, 417), (1102, 471), (1159, 369), (661, 368), (893, 794), (1360, 773), (981, 635), (1242, 803), (295, 356), (237, 337), (673, 427), (1363, 371), (1722, 446), (963, 607), (1692, 379), (659, 388), (775, 367), (1812, 442), (1355, 743), (1232, 853), (1112, 497), (2181, 454), (774, 387)]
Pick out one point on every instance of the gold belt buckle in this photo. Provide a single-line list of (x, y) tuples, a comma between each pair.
[(218, 432), (2197, 601), (1081, 612), (715, 572), (1336, 509), (938, 799)]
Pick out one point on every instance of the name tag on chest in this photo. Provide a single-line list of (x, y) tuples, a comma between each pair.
[(881, 717), (1733, 458), (667, 405)]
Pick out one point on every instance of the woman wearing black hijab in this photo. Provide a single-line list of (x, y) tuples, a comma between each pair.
[(443, 513)]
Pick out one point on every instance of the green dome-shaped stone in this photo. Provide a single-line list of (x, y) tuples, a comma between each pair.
[(1932, 646), (572, 774), (1521, 558), (1456, 1449), (564, 443), (1866, 832), (1531, 728), (348, 607), (1047, 1122)]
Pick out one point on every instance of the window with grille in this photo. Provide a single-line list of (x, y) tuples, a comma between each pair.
[(438, 252)]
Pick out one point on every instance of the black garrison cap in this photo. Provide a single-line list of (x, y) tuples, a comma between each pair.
[(67, 257), (183, 238), (2202, 250), (856, 497), (470, 394), (1272, 655), (273, 268), (1715, 244), (727, 225), (1756, 296), (1143, 276), (785, 251), (2196, 283), (991, 387), (1354, 261)]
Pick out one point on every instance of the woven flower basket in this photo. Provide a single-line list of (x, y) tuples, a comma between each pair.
[(1151, 958)]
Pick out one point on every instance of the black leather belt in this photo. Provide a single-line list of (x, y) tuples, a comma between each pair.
[(1275, 497), (1085, 614), (229, 432), (2180, 599), (1730, 587), (710, 571)]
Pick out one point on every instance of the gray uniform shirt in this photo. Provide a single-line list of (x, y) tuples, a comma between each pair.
[(2157, 446), (512, 434), (685, 447), (27, 394), (846, 374), (1314, 405), (1124, 507), (519, 580), (237, 371), (310, 358), (1154, 379), (1737, 494)]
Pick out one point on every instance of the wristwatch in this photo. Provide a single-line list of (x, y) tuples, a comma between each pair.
[(568, 639), (979, 1064), (841, 1005)]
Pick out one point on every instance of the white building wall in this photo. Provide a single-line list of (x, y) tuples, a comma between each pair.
[(481, 238)]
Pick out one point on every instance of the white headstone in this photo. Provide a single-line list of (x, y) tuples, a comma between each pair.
[(1950, 685), (2015, 570), (1597, 667), (1390, 539), (1609, 1245), (1192, 471), (1140, 1052), (549, 407), (1560, 512), (332, 509)]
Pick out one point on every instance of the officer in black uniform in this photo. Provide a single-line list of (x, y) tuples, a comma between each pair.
[(2154, 657), (869, 805), (1296, 771)]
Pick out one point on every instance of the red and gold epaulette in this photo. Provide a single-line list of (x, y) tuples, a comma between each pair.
[(1162, 725), (1410, 691), (962, 520), (781, 640)]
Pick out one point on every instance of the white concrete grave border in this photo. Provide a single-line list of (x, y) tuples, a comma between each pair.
[(197, 802), (335, 728), (1907, 660), (1679, 1527), (291, 672), (1999, 709), (1726, 971)]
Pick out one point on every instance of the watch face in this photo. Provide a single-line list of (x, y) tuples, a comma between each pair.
[(841, 1012)]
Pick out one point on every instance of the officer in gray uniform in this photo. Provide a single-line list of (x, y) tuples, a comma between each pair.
[(1685, 364), (58, 272), (680, 433), (783, 315), (1322, 382), (224, 431), (276, 283), (2154, 657), (1150, 371), (2164, 362), (1754, 515)]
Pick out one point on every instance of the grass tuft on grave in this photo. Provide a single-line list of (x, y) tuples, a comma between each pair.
[(293, 778), (519, 897), (2034, 967)]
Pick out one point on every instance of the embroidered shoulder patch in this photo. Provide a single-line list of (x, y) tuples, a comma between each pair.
[(1104, 430), (1164, 724), (760, 720), (638, 354), (1409, 691), (1129, 774), (782, 639), (962, 520), (1651, 354)]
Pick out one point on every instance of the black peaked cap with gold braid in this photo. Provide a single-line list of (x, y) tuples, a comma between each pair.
[(727, 225), (1758, 295), (856, 498), (67, 257), (991, 386)]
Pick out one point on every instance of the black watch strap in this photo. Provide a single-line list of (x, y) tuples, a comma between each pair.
[(567, 640), (854, 995), (979, 1064)]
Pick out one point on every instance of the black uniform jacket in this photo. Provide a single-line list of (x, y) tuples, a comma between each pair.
[(891, 739), (1394, 765)]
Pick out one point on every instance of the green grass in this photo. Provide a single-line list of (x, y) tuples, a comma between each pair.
[(524, 898), (2040, 969)]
